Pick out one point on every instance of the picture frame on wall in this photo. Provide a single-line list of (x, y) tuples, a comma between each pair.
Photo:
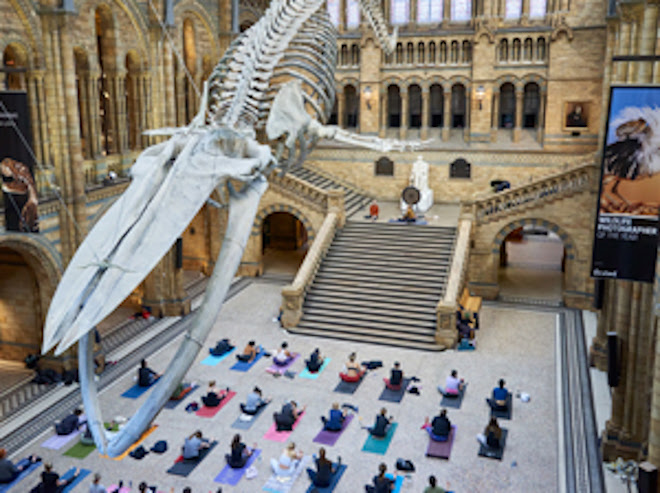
[(576, 115)]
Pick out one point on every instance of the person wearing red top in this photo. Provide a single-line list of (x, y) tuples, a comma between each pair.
[(373, 211)]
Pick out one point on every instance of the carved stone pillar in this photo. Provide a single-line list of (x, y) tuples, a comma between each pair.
[(163, 288), (384, 123), (426, 103), (621, 68), (341, 109), (83, 98), (468, 114), (180, 97), (35, 88), (446, 12), (403, 129), (517, 128), (342, 16), (540, 124), (170, 95), (446, 114), (412, 20), (495, 116), (94, 113), (647, 44)]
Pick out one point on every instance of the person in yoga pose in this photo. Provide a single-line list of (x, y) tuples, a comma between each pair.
[(396, 377), (353, 371), (254, 402), (285, 419), (70, 424), (249, 353), (382, 484), (240, 453), (51, 482), (381, 425), (286, 465), (453, 385), (8, 470), (336, 419), (322, 477), (315, 361), (193, 445), (215, 395), (146, 376), (282, 355), (222, 347), (439, 428), (499, 402), (492, 435), (433, 486)]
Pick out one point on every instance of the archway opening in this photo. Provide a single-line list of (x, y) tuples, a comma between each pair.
[(507, 105), (532, 265), (458, 106), (415, 106), (352, 107), (531, 105), (285, 243), (436, 116), (393, 106), (15, 63), (106, 52)]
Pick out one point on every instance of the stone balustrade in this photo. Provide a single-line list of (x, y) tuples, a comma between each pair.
[(555, 186), (299, 189)]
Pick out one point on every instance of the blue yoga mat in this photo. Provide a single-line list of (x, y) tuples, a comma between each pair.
[(136, 391), (397, 483), (82, 474), (25, 472), (380, 445), (232, 476), (333, 482), (306, 373), (243, 366), (214, 360)]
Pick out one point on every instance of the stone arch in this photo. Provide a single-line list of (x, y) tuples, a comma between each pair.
[(24, 10), (16, 55), (258, 223)]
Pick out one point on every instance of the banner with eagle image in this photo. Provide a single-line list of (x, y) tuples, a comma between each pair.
[(19, 192), (626, 232)]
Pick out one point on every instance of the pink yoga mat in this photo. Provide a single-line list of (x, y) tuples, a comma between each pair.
[(281, 436), (441, 450), (209, 412), (56, 442), (330, 437), (281, 369)]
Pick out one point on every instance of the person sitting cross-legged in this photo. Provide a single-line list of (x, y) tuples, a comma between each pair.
[(146, 376), (492, 435), (322, 477), (353, 371), (254, 402), (499, 402), (315, 361), (282, 355), (285, 419), (396, 377), (249, 353), (70, 424), (439, 428), (215, 395), (51, 482), (336, 419), (286, 465), (240, 453), (453, 385), (381, 425), (381, 483), (193, 445)]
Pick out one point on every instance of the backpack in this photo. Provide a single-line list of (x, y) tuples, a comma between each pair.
[(405, 465), (192, 407), (160, 447), (139, 453)]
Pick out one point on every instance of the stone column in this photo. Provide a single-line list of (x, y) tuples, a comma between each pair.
[(647, 44), (168, 84), (83, 97), (341, 109), (517, 129), (403, 129), (342, 16), (384, 109), (446, 114), (446, 12), (426, 109), (164, 293), (412, 20), (495, 117), (35, 82), (634, 50), (468, 114), (540, 124), (180, 98), (621, 68), (524, 18)]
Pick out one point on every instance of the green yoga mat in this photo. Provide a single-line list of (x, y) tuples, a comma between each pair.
[(81, 451), (379, 445)]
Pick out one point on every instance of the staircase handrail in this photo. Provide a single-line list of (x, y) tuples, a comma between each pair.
[(293, 295), (556, 185), (446, 334), (337, 179), (301, 190)]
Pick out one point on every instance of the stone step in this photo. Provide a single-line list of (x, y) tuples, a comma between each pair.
[(411, 259), (397, 244), (393, 290), (394, 269), (390, 264), (378, 299), (389, 253), (391, 228), (393, 338), (377, 282), (359, 312), (391, 330), (397, 276)]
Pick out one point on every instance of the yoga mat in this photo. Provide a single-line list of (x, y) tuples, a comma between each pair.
[(333, 481), (172, 403), (243, 366), (418, 222), (24, 473), (390, 395), (211, 360), (246, 425), (209, 412), (441, 450), (82, 474), (504, 413), (453, 402), (283, 368), (281, 436), (56, 442), (276, 486), (307, 374), (232, 476), (398, 482), (379, 445), (80, 451), (348, 387), (330, 437), (494, 453), (136, 391), (184, 467), (114, 488), (130, 449)]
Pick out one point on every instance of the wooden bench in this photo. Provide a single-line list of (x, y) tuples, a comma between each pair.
[(470, 306)]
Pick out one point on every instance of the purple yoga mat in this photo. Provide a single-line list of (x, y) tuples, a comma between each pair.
[(330, 437), (232, 476), (442, 450), (56, 442), (281, 369)]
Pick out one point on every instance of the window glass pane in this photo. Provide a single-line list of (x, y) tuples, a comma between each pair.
[(513, 9), (352, 14), (400, 11), (461, 10), (429, 11), (537, 8), (333, 10)]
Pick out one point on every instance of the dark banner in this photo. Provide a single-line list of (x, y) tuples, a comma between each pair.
[(626, 233), (19, 191)]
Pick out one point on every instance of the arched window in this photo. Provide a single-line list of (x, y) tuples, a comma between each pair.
[(528, 50), (466, 52), (399, 11), (333, 11), (531, 105), (355, 55), (540, 49), (393, 106), (507, 105), (432, 52), (351, 115), (515, 55), (537, 9), (420, 53), (410, 53), (461, 10), (352, 14), (429, 11), (513, 9), (399, 53), (503, 51), (437, 104), (454, 52), (458, 106), (414, 106), (443, 52), (343, 59)]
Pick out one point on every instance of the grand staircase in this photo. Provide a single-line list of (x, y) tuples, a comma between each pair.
[(380, 283), (354, 199)]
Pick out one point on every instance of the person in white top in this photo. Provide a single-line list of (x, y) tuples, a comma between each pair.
[(453, 385)]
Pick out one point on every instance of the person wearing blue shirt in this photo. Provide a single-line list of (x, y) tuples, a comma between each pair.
[(193, 446), (254, 402), (500, 397), (336, 420)]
